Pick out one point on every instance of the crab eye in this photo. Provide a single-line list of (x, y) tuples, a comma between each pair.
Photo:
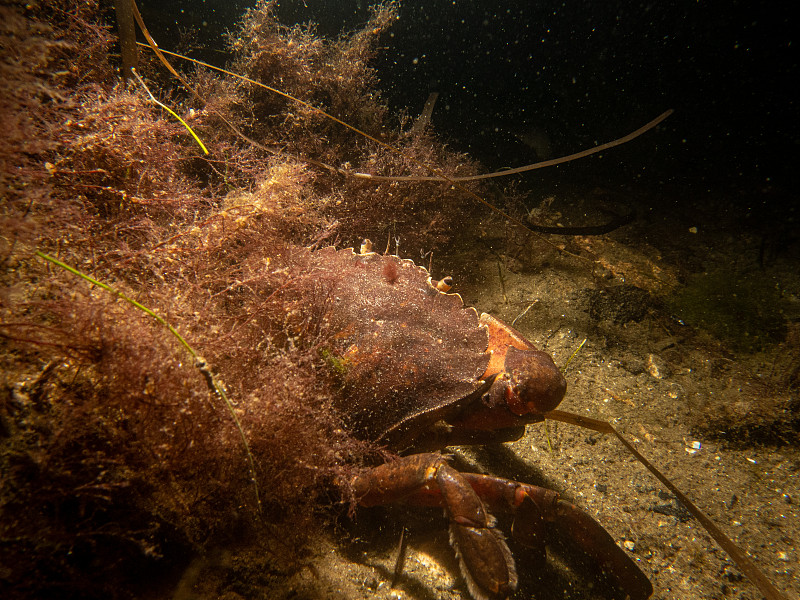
[(535, 379)]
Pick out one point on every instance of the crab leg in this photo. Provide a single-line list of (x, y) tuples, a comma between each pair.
[(485, 560)]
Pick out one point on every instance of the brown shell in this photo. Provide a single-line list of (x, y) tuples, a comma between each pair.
[(406, 352)]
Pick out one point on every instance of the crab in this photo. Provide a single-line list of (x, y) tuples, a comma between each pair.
[(419, 371)]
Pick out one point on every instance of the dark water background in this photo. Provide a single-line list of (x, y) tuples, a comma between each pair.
[(582, 73)]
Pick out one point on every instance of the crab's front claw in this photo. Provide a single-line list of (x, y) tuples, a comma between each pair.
[(426, 479), (536, 509), (485, 560), (470, 498), (595, 541), (533, 504)]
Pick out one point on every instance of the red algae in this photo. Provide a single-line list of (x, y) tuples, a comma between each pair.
[(118, 463)]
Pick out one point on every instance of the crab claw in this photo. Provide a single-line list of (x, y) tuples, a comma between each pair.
[(534, 507), (483, 556), (533, 383), (426, 479), (590, 536), (536, 385)]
